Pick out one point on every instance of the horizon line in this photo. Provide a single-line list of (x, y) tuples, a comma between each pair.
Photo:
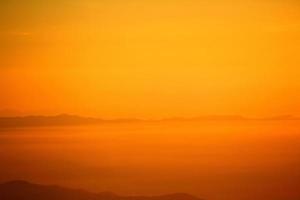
[(175, 118)]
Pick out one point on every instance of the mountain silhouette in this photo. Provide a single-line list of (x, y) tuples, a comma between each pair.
[(71, 120), (282, 117), (210, 118), (56, 120), (23, 190)]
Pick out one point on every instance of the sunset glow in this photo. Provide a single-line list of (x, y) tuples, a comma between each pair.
[(151, 59), (150, 99)]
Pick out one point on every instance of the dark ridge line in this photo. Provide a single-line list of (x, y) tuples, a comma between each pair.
[(24, 190), (72, 120)]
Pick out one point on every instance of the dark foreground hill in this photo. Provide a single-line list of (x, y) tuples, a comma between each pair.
[(22, 190)]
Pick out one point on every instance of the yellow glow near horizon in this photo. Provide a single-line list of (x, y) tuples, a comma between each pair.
[(151, 58)]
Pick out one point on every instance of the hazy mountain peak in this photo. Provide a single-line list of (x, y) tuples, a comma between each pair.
[(17, 182), (23, 190)]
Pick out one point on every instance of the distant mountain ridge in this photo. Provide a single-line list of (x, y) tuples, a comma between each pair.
[(56, 120), (68, 120), (45, 120), (23, 190), (209, 117)]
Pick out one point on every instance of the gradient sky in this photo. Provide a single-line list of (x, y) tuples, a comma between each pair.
[(150, 58)]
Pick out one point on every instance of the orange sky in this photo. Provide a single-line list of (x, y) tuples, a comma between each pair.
[(142, 58)]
